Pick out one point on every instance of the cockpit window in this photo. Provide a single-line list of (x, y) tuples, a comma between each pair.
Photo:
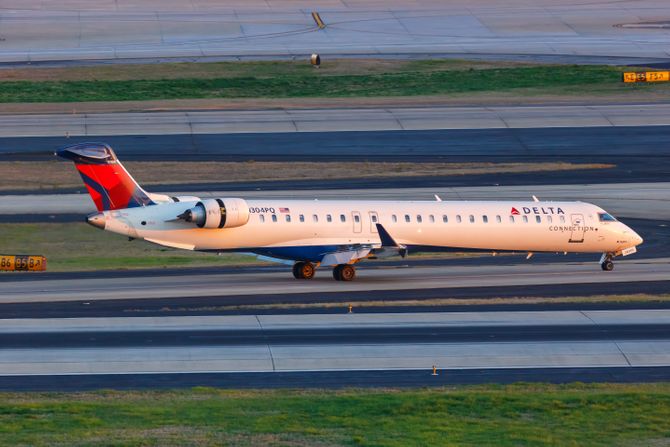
[(605, 217)]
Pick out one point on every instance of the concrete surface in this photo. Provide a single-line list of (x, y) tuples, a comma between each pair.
[(261, 323), (76, 30), (332, 120), (264, 358)]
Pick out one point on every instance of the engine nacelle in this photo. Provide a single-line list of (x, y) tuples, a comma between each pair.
[(218, 213)]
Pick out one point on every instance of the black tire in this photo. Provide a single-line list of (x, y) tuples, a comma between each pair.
[(607, 266), (297, 270), (337, 273), (307, 270), (347, 272)]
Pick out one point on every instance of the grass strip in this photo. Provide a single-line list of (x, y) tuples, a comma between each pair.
[(54, 174), (280, 83), (512, 415)]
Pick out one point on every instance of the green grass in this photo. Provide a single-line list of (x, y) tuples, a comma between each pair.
[(278, 81), (490, 415), (78, 246)]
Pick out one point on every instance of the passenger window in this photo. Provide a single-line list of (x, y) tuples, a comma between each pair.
[(431, 218), (549, 219), (374, 218), (511, 219), (458, 218), (262, 218), (472, 218), (498, 219), (301, 217), (538, 219), (357, 218), (394, 218), (419, 219), (485, 218), (445, 219), (342, 218), (562, 219), (315, 218), (329, 218), (407, 218), (274, 218), (525, 219), (288, 218)]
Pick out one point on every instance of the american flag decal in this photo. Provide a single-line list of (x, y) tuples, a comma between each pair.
[(284, 210)]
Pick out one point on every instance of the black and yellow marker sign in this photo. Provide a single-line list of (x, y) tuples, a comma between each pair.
[(646, 76), (318, 20), (30, 263)]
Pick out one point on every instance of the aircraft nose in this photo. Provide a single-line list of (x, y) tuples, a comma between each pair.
[(635, 238)]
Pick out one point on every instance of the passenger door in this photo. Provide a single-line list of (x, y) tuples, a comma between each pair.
[(577, 233)]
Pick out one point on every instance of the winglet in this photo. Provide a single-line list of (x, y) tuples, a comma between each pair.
[(389, 242)]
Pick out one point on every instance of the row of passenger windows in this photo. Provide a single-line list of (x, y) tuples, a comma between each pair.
[(419, 218), (472, 218), (315, 218)]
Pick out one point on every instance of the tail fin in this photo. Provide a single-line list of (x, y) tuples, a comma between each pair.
[(107, 181)]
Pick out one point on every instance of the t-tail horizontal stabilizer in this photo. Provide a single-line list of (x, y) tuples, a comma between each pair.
[(389, 245)]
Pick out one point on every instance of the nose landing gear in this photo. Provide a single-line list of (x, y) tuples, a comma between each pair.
[(303, 270), (606, 262)]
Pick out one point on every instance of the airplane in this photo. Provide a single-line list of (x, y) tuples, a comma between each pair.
[(310, 234)]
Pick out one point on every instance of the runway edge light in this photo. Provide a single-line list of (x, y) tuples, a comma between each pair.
[(23, 263)]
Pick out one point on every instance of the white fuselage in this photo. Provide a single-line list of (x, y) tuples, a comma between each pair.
[(281, 227)]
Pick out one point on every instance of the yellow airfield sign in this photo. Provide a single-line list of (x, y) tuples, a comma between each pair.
[(646, 76), (23, 263)]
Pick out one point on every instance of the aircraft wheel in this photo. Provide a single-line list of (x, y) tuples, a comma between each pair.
[(297, 269), (607, 266), (307, 270), (344, 272), (303, 270)]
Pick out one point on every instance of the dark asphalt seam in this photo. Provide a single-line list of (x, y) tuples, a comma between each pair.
[(272, 357), (589, 318), (622, 353)]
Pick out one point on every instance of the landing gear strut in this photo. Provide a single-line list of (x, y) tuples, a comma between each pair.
[(303, 270), (344, 272), (606, 262)]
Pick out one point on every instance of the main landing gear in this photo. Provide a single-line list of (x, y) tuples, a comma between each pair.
[(606, 262), (306, 270), (344, 272), (303, 270)]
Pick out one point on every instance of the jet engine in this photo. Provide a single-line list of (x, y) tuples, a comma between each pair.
[(217, 213)]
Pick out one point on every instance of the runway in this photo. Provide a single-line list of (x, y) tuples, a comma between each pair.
[(503, 341), (599, 31), (372, 279)]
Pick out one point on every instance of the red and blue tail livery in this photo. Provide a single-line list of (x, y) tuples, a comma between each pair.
[(111, 187)]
